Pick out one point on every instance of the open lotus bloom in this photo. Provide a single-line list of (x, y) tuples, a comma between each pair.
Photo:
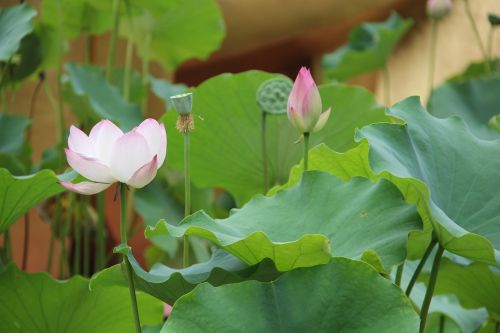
[(107, 155), (304, 104)]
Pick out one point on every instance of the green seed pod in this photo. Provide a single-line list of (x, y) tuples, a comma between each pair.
[(183, 103), (272, 95)]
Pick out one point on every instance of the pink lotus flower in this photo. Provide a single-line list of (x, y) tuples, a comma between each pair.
[(437, 9), (304, 104), (107, 155)]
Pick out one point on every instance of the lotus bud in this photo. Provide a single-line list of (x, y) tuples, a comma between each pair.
[(438, 9), (304, 104), (107, 155), (183, 104)]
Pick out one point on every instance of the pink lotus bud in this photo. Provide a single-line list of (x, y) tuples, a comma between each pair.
[(437, 9), (108, 155), (304, 104)]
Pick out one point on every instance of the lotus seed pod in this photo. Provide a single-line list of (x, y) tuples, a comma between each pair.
[(272, 95), (183, 103)]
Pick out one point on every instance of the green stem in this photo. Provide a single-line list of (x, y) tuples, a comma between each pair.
[(64, 262), (26, 240), (86, 48), (430, 288), (4, 101), (497, 327), (100, 254), (264, 153), (7, 245), (61, 248), (126, 264), (145, 69), (55, 221), (476, 33), (114, 39), (387, 86), (128, 54), (77, 239), (306, 151), (58, 116), (399, 274), (86, 237), (12, 99), (59, 109), (187, 198), (442, 322), (432, 57), (128, 69), (51, 251), (419, 268)]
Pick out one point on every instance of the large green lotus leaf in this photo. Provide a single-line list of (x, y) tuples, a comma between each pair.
[(342, 296), (354, 163), (454, 186), (12, 133), (19, 194), (75, 17), (168, 284), (173, 31), (295, 227), (369, 48), (461, 182), (475, 100), (15, 23), (227, 104), (38, 303), (476, 285), (105, 99)]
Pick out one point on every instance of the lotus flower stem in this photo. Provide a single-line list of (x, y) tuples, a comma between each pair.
[(77, 239), (114, 38), (128, 56), (128, 65), (306, 151), (432, 57), (26, 240), (145, 69), (497, 327), (442, 322), (430, 288), (387, 86), (187, 191), (55, 220), (420, 265), (264, 153), (399, 274), (126, 264), (100, 257), (63, 260), (7, 247), (476, 34), (87, 41), (86, 239)]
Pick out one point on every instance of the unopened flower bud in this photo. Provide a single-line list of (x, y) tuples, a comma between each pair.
[(438, 9), (304, 104)]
